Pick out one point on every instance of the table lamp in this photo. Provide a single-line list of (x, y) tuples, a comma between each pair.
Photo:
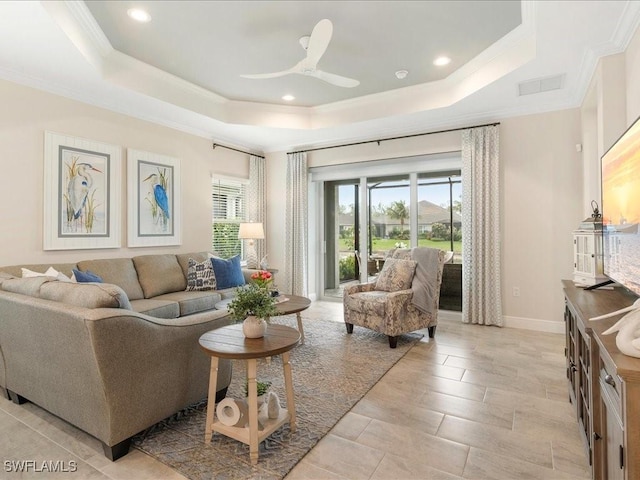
[(251, 232)]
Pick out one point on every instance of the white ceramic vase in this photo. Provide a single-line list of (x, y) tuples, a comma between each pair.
[(254, 327)]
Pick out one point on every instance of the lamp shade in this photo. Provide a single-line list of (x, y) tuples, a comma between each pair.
[(251, 231)]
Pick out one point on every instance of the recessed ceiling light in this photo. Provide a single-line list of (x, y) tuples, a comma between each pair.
[(400, 74), (288, 98), (139, 15), (442, 61)]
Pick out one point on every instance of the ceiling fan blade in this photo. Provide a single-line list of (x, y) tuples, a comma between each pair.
[(334, 79), (319, 41), (270, 75)]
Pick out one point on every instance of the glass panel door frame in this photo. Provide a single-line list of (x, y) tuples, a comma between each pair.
[(412, 166)]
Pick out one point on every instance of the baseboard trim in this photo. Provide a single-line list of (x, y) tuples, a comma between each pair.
[(522, 323), (536, 324)]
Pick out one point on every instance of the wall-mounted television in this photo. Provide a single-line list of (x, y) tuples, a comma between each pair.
[(621, 209)]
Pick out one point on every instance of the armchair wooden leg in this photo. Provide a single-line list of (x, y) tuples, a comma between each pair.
[(349, 327), (393, 341), (432, 331)]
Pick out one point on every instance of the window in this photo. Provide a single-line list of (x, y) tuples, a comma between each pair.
[(229, 200)]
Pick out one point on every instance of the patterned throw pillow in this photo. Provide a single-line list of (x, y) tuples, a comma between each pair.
[(396, 274), (200, 276)]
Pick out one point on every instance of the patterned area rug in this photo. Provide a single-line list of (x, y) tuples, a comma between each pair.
[(331, 372)]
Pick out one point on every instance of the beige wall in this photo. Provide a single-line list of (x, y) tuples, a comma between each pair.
[(26, 113), (543, 175), (542, 204)]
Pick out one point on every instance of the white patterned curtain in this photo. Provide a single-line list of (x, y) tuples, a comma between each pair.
[(481, 291), (296, 213), (257, 208)]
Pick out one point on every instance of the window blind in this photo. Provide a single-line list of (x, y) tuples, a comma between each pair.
[(229, 207)]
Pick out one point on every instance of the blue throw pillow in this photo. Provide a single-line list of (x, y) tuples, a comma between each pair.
[(87, 276), (228, 272)]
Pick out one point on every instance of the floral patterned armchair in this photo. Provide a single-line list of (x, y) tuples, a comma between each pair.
[(403, 298)]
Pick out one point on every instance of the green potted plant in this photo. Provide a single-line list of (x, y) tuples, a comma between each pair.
[(252, 304), (263, 389)]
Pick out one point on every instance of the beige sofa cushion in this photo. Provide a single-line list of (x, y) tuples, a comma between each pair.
[(159, 274), (166, 309), (5, 276), (25, 286), (193, 302), (118, 271), (86, 295)]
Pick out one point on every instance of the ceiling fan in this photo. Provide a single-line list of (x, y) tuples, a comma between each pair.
[(315, 45)]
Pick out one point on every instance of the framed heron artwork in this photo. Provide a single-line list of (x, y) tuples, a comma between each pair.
[(154, 199), (81, 193)]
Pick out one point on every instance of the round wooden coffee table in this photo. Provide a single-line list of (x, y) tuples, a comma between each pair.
[(229, 342), (294, 304)]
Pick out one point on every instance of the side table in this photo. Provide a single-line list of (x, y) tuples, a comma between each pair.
[(229, 342), (294, 304)]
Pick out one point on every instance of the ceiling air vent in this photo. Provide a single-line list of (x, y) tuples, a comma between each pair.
[(541, 85)]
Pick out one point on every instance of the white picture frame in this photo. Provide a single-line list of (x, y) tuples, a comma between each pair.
[(154, 208), (82, 181)]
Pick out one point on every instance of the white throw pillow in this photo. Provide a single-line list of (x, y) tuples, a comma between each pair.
[(51, 272)]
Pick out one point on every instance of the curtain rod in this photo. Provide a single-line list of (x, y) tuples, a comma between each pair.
[(236, 150), (394, 138)]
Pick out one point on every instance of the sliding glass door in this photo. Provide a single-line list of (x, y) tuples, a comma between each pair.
[(371, 208), (440, 213), (389, 205), (342, 234)]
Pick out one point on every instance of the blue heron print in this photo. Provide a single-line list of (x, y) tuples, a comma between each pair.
[(158, 198), (80, 196)]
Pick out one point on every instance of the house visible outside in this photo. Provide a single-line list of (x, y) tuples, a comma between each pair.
[(434, 229)]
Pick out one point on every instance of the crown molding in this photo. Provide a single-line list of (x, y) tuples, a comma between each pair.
[(627, 26), (504, 56), (75, 20), (192, 109)]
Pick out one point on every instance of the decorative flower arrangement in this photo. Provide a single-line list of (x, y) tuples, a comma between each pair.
[(262, 278), (252, 299)]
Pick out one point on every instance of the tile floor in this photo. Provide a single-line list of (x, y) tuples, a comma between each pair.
[(478, 402)]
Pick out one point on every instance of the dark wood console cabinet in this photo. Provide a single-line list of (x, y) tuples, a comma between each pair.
[(604, 384)]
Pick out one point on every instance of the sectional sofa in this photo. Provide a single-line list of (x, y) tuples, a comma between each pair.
[(111, 358)]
